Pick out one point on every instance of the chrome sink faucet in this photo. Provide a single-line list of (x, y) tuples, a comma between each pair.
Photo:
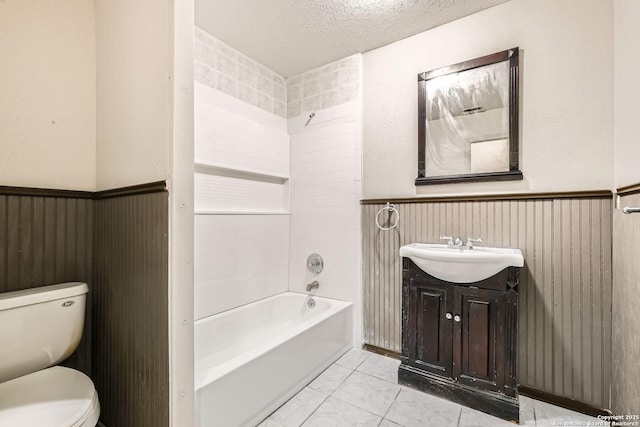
[(313, 285), (471, 241), (459, 243), (453, 243)]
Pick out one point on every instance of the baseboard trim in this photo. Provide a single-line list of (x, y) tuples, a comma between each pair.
[(564, 402), (382, 351)]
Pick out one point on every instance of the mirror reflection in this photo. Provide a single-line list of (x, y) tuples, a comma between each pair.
[(466, 130)]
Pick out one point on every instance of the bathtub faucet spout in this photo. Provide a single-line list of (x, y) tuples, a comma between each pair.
[(313, 285)]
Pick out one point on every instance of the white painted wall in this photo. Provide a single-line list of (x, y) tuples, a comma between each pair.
[(326, 187), (47, 87), (626, 91), (566, 89), (241, 205), (134, 60)]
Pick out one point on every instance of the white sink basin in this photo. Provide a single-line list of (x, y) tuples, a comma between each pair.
[(461, 265)]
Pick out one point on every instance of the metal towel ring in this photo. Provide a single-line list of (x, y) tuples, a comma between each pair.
[(391, 208)]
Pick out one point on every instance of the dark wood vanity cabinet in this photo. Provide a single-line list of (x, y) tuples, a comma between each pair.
[(459, 340)]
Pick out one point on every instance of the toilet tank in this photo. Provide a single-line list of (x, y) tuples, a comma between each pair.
[(40, 327)]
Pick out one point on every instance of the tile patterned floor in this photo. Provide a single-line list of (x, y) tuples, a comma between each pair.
[(361, 389)]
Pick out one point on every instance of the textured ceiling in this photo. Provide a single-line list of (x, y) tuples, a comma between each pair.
[(292, 36)]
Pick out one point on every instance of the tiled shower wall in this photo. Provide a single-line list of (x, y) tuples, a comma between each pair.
[(564, 343), (325, 87), (221, 67), (326, 182), (247, 217), (241, 202)]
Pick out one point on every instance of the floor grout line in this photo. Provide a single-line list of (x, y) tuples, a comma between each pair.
[(343, 381), (357, 407), (364, 373), (314, 411), (331, 393), (392, 402), (459, 417), (364, 360)]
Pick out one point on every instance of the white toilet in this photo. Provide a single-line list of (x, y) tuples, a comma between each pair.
[(40, 327)]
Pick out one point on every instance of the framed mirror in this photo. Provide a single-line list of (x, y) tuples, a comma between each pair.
[(468, 121)]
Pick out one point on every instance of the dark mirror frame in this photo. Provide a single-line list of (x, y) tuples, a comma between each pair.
[(514, 172)]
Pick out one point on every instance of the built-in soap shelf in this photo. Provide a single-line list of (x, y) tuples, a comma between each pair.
[(217, 169), (231, 190), (223, 212)]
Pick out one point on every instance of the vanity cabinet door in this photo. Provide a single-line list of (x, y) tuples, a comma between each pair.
[(479, 338), (432, 306)]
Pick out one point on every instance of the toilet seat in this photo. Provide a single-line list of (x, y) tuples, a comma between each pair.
[(53, 397)]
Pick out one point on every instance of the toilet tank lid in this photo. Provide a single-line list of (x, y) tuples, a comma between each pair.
[(41, 294)]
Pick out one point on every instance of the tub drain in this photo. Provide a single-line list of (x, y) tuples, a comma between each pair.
[(311, 303)]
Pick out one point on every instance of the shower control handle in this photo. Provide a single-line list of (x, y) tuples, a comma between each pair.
[(315, 263)]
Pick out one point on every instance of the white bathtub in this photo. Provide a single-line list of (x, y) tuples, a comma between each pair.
[(252, 359)]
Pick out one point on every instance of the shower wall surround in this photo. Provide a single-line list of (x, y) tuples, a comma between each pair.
[(326, 180), (257, 217), (221, 67), (241, 199), (241, 180)]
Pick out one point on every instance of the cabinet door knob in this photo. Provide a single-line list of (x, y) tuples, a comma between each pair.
[(456, 318), (449, 316)]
